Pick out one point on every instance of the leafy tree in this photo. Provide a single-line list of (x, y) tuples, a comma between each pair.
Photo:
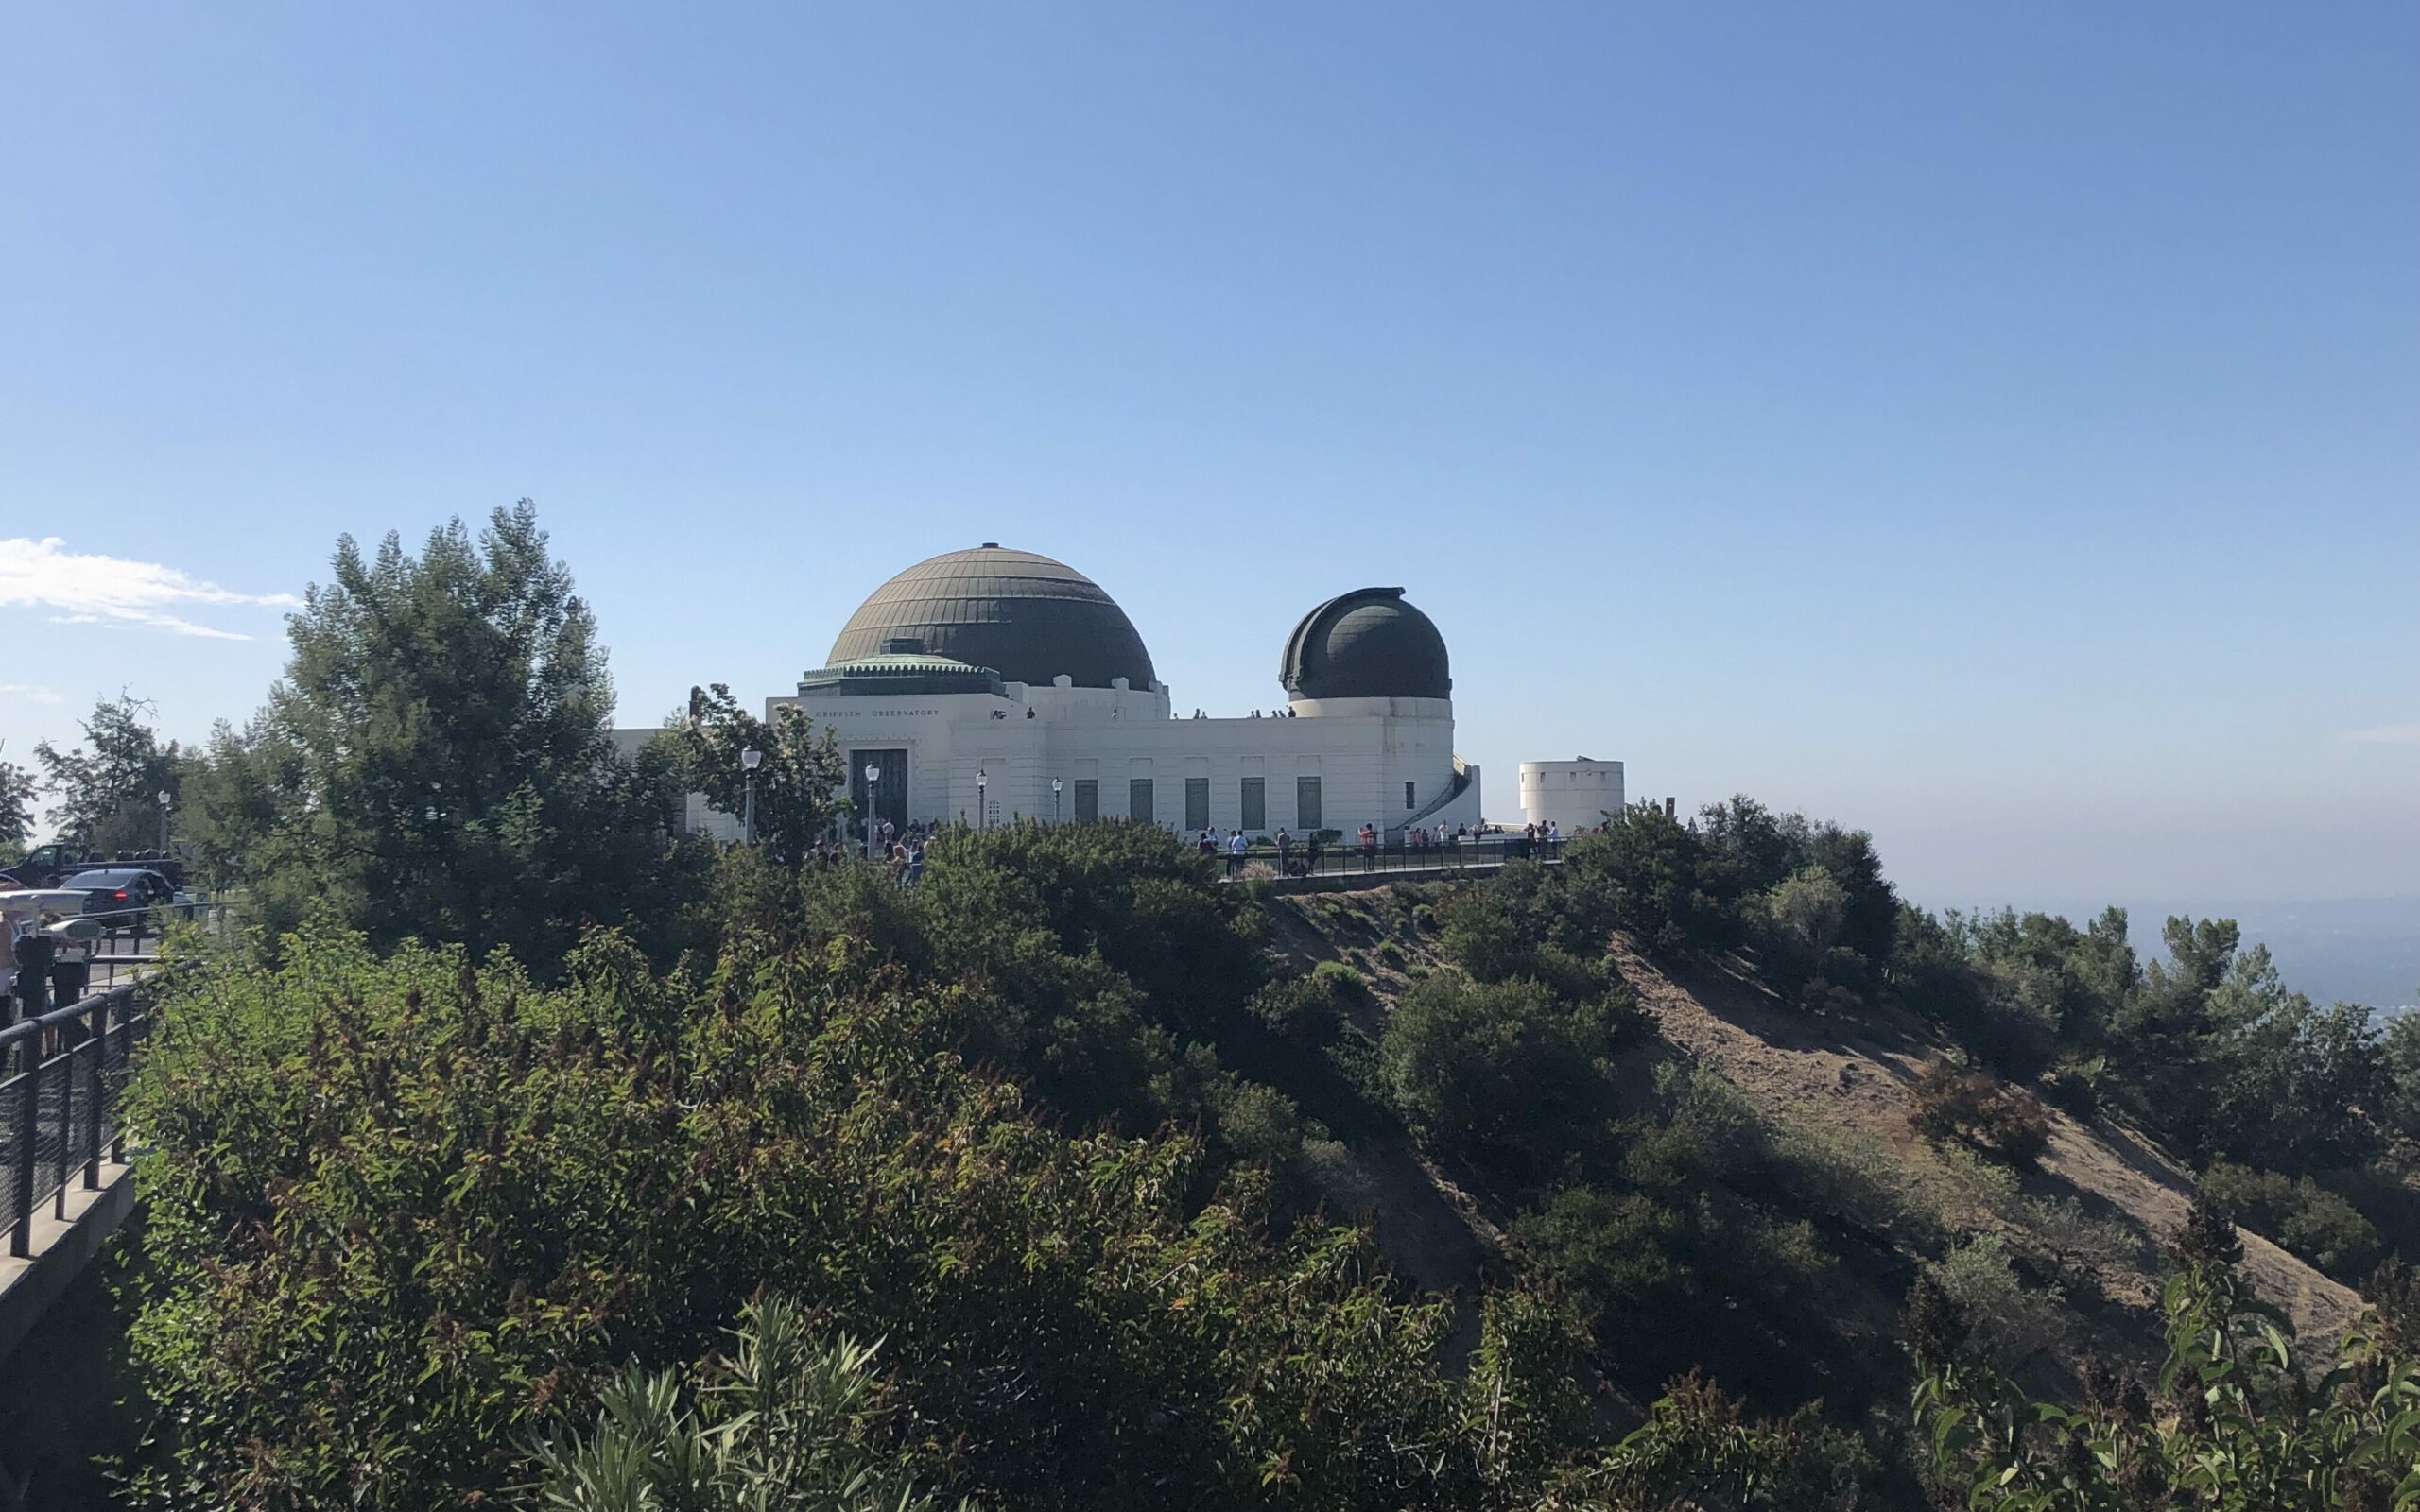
[(1655, 876), (16, 807), (108, 785), (780, 1421), (799, 781), (438, 760), (2302, 1216), (1808, 909), (1501, 1072)]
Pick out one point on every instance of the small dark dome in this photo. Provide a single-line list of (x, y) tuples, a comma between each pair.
[(1025, 617), (1368, 643)]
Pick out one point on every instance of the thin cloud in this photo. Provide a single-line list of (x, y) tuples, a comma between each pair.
[(88, 589), (33, 691), (2387, 735)]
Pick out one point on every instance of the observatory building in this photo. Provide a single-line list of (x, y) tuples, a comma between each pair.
[(991, 685)]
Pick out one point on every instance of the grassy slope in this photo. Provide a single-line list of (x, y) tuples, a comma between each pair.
[(1844, 1087)]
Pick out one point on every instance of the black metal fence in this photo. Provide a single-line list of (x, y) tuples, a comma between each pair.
[(1348, 857), (58, 1104)]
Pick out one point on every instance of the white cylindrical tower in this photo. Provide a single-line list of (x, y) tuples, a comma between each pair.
[(1573, 795)]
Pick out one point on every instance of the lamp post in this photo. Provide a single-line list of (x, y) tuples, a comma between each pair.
[(982, 815), (165, 799), (874, 775), (748, 761), (1054, 800)]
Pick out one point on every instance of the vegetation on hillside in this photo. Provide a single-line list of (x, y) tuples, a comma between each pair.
[(527, 1154)]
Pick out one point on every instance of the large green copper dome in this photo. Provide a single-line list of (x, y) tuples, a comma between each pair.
[(1024, 616)]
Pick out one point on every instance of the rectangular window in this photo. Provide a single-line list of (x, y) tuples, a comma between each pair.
[(1138, 800), (1255, 804), (1407, 794), (1087, 799), (1196, 802), (1307, 803)]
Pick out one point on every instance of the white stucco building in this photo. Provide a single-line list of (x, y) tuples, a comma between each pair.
[(1574, 795), (991, 686)]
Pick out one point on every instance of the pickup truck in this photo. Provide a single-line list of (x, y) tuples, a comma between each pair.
[(47, 865)]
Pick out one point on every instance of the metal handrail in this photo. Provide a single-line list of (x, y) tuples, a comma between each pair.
[(71, 1065), (1349, 857)]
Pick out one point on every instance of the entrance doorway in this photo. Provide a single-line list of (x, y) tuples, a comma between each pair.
[(889, 790)]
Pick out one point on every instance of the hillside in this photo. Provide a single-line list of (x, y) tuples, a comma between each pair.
[(1829, 1086)]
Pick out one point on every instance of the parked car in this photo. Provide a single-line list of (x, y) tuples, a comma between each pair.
[(122, 895)]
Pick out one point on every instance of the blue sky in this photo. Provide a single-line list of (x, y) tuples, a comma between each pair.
[(1995, 426)]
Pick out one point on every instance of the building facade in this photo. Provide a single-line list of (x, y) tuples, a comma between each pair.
[(1573, 795), (991, 686)]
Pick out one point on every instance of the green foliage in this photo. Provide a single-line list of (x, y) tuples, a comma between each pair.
[(1698, 1452), (2239, 1423), (1952, 1103), (781, 1421), (403, 1209), (2008, 1323), (16, 808), (1653, 875), (2301, 1215), (108, 786), (798, 781), (1504, 1073), (438, 763)]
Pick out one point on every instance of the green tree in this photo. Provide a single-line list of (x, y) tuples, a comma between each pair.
[(1655, 876), (1502, 1072), (437, 761), (108, 786), (16, 807), (798, 782)]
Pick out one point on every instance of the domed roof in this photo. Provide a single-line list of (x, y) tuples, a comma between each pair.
[(1368, 643), (1024, 616)]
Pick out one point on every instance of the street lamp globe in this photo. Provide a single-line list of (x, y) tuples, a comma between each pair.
[(751, 759)]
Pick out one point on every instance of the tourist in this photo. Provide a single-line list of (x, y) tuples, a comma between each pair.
[(71, 968), (1368, 846), (1285, 852), (915, 861), (36, 952)]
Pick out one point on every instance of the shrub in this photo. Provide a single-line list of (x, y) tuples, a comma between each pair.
[(1392, 954), (2253, 1424), (1308, 1008), (1346, 984), (1500, 1072), (398, 1210), (2074, 1086), (2007, 1323), (2302, 1216), (1951, 1103), (783, 1419)]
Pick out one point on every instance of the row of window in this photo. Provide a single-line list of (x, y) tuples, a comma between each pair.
[(1141, 801)]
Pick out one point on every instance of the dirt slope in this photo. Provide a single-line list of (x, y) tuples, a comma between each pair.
[(1856, 1081)]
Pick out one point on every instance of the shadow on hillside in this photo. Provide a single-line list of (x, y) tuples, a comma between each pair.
[(1727, 988)]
